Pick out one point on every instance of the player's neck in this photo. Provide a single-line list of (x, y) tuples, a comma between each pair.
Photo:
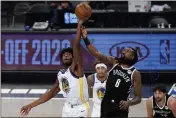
[(162, 102), (67, 66), (125, 66)]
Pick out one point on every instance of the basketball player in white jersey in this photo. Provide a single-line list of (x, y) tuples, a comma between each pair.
[(71, 81), (97, 81)]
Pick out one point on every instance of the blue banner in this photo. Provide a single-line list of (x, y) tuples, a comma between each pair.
[(155, 51), (23, 51)]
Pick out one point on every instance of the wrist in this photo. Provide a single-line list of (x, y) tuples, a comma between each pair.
[(79, 26), (129, 102), (31, 105), (86, 41)]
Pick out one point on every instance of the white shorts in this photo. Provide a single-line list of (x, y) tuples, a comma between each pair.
[(76, 111), (96, 110)]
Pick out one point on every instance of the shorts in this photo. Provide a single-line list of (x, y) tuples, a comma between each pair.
[(119, 113), (96, 110), (82, 110)]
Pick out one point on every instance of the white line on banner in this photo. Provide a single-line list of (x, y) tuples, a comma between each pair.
[(5, 90), (17, 91), (37, 91)]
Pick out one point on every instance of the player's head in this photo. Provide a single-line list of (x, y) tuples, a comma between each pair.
[(101, 68), (129, 56), (66, 55), (159, 92)]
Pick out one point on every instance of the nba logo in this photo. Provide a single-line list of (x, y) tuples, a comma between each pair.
[(164, 51)]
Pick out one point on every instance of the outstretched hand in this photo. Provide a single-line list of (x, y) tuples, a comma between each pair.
[(124, 105), (25, 110)]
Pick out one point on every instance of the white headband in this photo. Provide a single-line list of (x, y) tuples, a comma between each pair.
[(101, 65)]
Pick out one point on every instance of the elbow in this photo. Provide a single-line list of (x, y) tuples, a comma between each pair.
[(139, 100)]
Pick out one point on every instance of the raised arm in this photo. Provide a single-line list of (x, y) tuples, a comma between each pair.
[(77, 65), (137, 89), (93, 51)]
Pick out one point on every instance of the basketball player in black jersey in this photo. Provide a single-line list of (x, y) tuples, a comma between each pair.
[(163, 105), (121, 78)]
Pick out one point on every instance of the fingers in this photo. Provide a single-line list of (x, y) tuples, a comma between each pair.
[(27, 112), (21, 110), (83, 28), (123, 105), (24, 111)]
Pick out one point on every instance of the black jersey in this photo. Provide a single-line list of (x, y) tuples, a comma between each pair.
[(164, 111), (118, 86)]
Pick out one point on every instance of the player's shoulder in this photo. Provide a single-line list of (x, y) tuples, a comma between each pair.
[(61, 72), (171, 103), (136, 71), (90, 76), (136, 75), (149, 100), (171, 98)]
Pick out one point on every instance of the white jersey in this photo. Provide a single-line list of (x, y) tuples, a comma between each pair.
[(98, 90), (74, 89)]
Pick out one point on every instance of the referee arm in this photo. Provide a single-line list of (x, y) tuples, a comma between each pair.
[(137, 89)]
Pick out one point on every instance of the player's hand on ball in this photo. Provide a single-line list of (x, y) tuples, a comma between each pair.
[(84, 33), (80, 22), (124, 105), (25, 110)]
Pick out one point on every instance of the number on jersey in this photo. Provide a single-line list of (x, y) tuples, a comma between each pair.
[(117, 83)]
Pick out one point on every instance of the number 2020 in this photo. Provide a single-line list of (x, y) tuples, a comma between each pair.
[(44, 47), (117, 83)]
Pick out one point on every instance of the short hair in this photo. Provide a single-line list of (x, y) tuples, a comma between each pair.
[(159, 87), (69, 50), (135, 60)]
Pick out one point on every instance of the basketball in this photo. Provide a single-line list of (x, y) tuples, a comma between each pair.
[(83, 11)]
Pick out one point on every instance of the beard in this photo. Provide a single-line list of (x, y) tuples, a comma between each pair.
[(158, 99), (123, 60), (67, 63)]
